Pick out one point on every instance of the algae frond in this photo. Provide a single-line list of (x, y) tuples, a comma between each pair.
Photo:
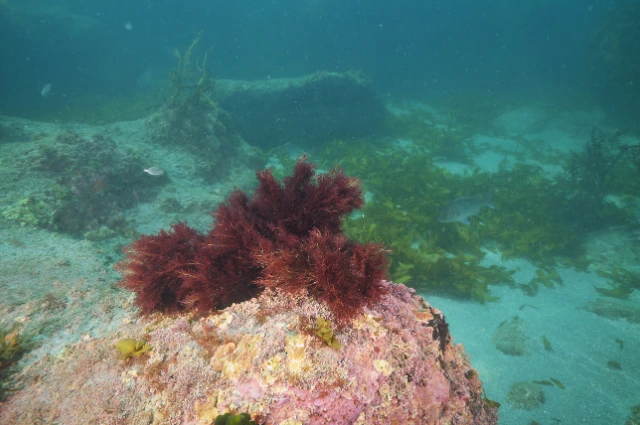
[(324, 329), (229, 419), (129, 348), (12, 346)]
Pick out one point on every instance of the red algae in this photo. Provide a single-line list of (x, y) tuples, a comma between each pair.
[(156, 265), (286, 237)]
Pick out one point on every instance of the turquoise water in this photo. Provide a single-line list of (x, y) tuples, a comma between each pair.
[(442, 100)]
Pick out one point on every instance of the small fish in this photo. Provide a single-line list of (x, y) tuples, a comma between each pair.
[(620, 343), (154, 171), (547, 343), (17, 243), (464, 207), (46, 90), (558, 383), (614, 365)]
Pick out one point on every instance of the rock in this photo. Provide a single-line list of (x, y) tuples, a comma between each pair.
[(304, 111), (396, 364), (521, 121), (510, 337), (611, 64), (525, 395), (205, 132)]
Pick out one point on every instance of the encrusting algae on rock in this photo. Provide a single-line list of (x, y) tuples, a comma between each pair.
[(271, 289), (393, 367)]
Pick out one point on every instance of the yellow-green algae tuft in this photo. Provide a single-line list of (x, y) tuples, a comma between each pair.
[(131, 348)]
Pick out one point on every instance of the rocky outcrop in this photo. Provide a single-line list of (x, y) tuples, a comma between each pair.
[(395, 364), (304, 111)]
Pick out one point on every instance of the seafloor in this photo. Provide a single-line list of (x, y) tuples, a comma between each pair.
[(61, 288)]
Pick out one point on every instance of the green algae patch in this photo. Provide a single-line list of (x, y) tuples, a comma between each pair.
[(229, 419), (408, 193), (12, 347), (620, 292), (489, 402), (542, 219), (622, 282), (324, 329), (614, 310), (129, 348)]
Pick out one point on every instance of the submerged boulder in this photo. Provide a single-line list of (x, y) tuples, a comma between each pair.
[(511, 337), (304, 111), (269, 357), (522, 121), (525, 395)]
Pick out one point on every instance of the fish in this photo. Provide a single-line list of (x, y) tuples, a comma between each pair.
[(547, 343), (154, 171), (558, 383), (614, 365), (460, 209), (46, 90)]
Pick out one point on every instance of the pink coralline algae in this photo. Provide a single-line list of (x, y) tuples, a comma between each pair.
[(396, 365)]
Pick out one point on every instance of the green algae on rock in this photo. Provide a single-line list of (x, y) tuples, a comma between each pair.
[(131, 348), (229, 419)]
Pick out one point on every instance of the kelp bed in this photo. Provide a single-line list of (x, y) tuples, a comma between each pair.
[(542, 218)]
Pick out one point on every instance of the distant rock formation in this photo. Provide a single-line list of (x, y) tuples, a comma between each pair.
[(305, 111)]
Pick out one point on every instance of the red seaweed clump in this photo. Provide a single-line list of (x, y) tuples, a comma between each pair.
[(287, 237), (155, 267)]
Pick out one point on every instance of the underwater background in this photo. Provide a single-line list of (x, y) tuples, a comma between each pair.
[(497, 144)]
